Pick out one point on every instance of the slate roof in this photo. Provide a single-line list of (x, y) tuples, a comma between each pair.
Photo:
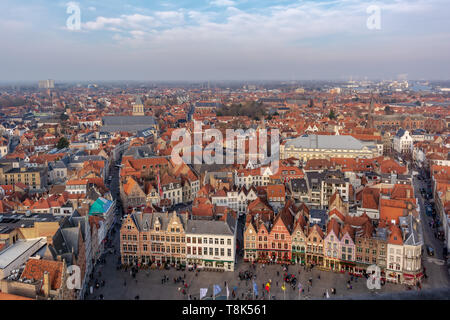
[(325, 142), (299, 185), (209, 227)]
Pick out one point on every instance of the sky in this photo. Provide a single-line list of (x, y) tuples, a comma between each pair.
[(200, 40)]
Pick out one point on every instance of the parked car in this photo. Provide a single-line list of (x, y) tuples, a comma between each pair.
[(430, 250)]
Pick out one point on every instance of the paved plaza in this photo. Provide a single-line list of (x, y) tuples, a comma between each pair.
[(147, 284)]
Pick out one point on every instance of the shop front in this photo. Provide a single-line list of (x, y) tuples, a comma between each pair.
[(412, 279), (250, 255), (393, 277), (350, 267), (298, 256)]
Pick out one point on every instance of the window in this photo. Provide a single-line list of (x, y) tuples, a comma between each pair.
[(229, 252), (144, 237), (188, 239), (216, 251), (222, 252), (216, 240), (229, 242)]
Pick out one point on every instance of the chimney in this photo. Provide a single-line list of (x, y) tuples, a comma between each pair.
[(408, 193), (46, 285)]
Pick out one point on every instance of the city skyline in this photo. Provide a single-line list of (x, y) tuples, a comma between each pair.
[(241, 40)]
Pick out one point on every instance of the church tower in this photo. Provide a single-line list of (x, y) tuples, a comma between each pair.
[(138, 107)]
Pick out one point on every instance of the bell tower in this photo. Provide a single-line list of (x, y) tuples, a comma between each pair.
[(138, 107)]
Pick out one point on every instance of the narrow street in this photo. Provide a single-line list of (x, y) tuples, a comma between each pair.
[(436, 269)]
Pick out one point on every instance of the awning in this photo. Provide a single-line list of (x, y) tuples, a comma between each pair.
[(411, 276)]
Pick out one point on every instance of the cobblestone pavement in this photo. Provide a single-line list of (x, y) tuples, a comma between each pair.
[(148, 285)]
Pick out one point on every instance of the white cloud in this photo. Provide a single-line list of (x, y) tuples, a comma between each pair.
[(222, 3)]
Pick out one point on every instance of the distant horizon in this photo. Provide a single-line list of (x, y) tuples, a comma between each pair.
[(205, 81)]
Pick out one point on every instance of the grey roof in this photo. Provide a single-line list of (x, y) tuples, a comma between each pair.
[(83, 158), (57, 165), (400, 133), (381, 233), (138, 100), (411, 230), (9, 221), (318, 216), (71, 238), (325, 142), (147, 220), (209, 227), (299, 185), (128, 120), (139, 152)]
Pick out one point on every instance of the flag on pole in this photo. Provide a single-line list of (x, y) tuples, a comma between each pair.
[(268, 286), (203, 292), (228, 292), (328, 296), (299, 287), (217, 289), (255, 288), (283, 287)]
